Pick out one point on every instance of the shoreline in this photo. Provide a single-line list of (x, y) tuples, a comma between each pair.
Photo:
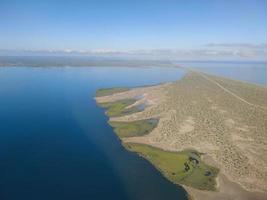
[(158, 98)]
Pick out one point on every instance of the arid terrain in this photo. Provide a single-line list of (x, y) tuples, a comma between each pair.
[(224, 119)]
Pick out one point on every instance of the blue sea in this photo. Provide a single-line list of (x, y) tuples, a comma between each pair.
[(56, 144)]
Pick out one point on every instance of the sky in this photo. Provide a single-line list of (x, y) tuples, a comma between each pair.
[(177, 28)]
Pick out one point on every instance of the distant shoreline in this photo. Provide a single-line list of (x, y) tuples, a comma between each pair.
[(98, 61), (78, 61)]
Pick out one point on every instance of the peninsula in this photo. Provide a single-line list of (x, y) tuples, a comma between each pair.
[(203, 132)]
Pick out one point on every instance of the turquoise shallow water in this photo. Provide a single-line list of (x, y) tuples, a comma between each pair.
[(55, 142)]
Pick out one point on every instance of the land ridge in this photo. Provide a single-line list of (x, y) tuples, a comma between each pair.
[(224, 119), (230, 92)]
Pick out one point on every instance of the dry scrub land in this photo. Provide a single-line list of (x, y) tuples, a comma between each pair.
[(210, 134)]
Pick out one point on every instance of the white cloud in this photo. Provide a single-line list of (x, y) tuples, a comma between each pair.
[(209, 51), (238, 45)]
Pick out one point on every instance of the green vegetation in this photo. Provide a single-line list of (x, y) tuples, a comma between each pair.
[(109, 91), (118, 108), (134, 128), (183, 167)]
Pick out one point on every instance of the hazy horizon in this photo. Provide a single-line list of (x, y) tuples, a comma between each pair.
[(191, 30)]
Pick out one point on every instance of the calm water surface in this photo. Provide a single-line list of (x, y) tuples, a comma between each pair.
[(55, 142)]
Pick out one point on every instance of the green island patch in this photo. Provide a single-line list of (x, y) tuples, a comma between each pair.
[(134, 128), (110, 91), (119, 108), (185, 167)]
